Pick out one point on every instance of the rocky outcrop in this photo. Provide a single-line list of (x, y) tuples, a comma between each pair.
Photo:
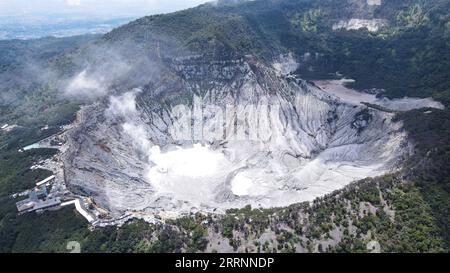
[(371, 24)]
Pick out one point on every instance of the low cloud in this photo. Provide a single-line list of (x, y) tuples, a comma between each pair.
[(123, 109), (83, 85), (123, 106)]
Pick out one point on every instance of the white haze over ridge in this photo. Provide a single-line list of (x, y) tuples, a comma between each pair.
[(32, 19), (104, 66), (108, 8)]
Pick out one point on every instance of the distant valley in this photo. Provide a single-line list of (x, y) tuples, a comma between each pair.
[(32, 27)]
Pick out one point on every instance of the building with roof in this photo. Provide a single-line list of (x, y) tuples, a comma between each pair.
[(37, 200)]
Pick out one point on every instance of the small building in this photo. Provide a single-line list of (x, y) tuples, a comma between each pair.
[(25, 205), (38, 193), (36, 200), (41, 192), (47, 204), (29, 205)]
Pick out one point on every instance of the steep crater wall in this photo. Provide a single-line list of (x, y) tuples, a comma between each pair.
[(124, 153)]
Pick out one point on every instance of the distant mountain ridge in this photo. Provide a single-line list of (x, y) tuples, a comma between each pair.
[(407, 41)]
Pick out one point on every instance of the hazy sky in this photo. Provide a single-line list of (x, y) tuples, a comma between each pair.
[(93, 7)]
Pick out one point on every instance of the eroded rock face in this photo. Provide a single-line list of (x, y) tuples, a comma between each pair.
[(125, 155), (361, 14), (372, 25)]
